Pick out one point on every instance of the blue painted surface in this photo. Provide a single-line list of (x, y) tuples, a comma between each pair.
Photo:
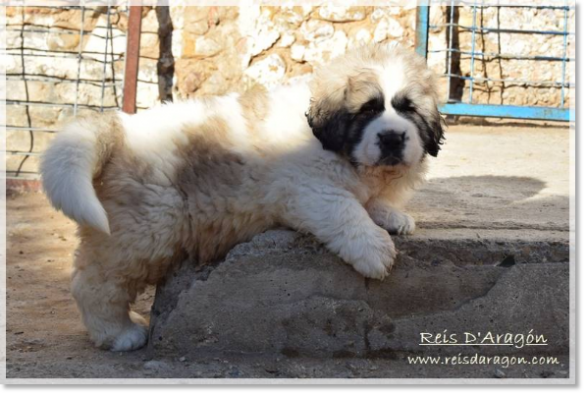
[(502, 111), (422, 26), (565, 53), (471, 89)]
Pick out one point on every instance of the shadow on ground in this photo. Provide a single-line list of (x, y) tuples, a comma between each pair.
[(490, 202)]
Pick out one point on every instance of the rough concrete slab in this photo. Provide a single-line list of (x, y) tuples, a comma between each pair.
[(282, 293)]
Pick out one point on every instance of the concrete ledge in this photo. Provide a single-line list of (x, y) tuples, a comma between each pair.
[(282, 293)]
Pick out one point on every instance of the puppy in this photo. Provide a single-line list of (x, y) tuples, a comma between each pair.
[(334, 156)]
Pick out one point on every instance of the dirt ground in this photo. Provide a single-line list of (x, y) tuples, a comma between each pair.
[(45, 337), (43, 324)]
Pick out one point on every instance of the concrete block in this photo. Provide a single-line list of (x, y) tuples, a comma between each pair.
[(283, 293)]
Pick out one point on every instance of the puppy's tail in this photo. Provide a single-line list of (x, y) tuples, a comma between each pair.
[(68, 166)]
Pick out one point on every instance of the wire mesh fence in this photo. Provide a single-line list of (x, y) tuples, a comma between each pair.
[(502, 61), (514, 61), (61, 61)]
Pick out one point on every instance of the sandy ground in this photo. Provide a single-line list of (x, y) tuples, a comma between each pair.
[(486, 177), (43, 325)]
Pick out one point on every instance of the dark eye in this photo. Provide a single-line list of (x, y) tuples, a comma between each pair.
[(402, 104), (371, 107)]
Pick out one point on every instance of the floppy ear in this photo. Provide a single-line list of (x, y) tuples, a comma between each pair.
[(435, 133), (328, 125)]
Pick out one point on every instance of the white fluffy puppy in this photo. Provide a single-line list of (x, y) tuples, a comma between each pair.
[(334, 157)]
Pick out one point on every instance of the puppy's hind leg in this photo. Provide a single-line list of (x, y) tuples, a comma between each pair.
[(104, 302)]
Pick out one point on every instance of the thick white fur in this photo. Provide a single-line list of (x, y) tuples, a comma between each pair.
[(68, 168), (368, 151), (200, 176)]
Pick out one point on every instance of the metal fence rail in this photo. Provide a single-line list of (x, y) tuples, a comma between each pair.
[(466, 104)]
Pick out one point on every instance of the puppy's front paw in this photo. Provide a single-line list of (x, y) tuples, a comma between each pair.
[(401, 224), (396, 222), (377, 258)]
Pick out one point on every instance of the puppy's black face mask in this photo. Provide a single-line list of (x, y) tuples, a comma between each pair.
[(430, 124), (341, 130)]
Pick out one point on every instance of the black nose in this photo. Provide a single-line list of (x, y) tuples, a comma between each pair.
[(392, 140)]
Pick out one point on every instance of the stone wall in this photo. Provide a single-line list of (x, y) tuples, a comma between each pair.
[(219, 49), (222, 49)]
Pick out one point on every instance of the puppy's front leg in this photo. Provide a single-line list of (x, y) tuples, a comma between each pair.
[(339, 221), (389, 218)]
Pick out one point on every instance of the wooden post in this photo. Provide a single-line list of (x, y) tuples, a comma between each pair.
[(132, 59)]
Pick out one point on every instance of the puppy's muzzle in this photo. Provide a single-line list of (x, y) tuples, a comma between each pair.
[(392, 145)]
